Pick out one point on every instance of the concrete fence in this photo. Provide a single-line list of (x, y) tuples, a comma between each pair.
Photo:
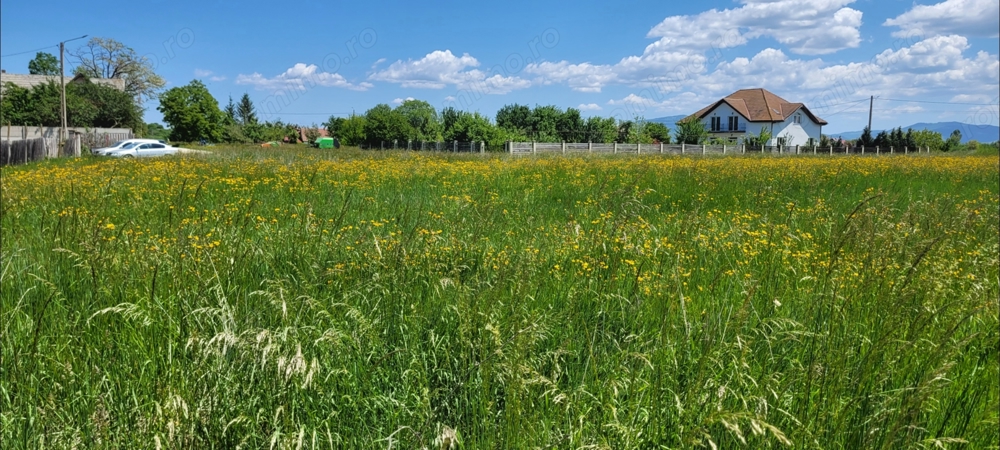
[(530, 148)]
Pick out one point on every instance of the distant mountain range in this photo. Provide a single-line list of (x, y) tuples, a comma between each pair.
[(981, 133)]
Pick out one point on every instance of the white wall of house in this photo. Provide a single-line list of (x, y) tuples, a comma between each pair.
[(797, 133), (724, 112)]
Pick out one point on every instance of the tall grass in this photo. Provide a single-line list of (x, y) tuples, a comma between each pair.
[(396, 300)]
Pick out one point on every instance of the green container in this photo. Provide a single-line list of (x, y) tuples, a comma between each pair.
[(324, 142)]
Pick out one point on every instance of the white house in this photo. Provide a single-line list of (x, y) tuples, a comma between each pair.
[(747, 111)]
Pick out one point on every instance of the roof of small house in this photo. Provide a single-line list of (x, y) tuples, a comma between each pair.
[(29, 81), (758, 105)]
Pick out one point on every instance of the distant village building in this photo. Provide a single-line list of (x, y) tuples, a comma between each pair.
[(28, 81), (748, 111)]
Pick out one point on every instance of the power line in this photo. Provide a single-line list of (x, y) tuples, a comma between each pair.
[(939, 103), (29, 51)]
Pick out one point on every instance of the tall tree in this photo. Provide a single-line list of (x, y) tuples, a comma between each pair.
[(954, 141), (692, 131), (657, 132), (514, 118), (192, 113), (43, 64), (423, 118), (866, 138), (108, 58), (570, 125), (384, 124), (601, 129), (245, 112), (544, 123), (230, 111)]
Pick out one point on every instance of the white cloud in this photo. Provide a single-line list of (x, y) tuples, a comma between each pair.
[(300, 77), (980, 18), (930, 55), (217, 78), (805, 26), (201, 73), (679, 54), (439, 69), (450, 98), (399, 101), (584, 77), (589, 107)]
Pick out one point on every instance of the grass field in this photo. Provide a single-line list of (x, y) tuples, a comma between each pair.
[(287, 299)]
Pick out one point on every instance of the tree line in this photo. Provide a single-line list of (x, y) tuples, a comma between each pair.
[(417, 120)]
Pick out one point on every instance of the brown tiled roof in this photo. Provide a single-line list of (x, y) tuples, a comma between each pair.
[(759, 105), (322, 133), (29, 81)]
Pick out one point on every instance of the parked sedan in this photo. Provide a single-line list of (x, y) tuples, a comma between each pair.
[(120, 145), (143, 150)]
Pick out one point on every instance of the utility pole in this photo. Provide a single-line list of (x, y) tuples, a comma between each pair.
[(871, 103), (62, 92)]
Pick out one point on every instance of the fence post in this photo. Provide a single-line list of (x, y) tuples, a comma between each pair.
[(564, 147), (743, 148), (682, 147), (661, 148), (616, 147), (906, 150), (533, 148), (638, 148), (723, 149), (590, 147), (702, 149), (862, 150), (455, 146), (482, 146), (796, 149), (892, 150)]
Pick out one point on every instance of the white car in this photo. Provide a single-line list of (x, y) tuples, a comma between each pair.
[(143, 150), (120, 145)]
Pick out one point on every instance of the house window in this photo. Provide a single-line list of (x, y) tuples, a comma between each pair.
[(734, 123), (716, 124), (781, 142), (798, 118)]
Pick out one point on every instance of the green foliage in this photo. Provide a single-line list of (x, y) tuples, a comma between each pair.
[(43, 64), (157, 131), (350, 131), (423, 120), (515, 117), (192, 113), (657, 132), (866, 138), (954, 141), (928, 139), (692, 131), (544, 124), (570, 126), (386, 125), (16, 105), (108, 58), (759, 140), (88, 105), (245, 112), (602, 130)]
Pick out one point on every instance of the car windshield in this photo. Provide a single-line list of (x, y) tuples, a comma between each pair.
[(130, 145), (117, 144)]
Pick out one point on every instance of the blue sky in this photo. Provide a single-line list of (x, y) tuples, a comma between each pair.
[(925, 61)]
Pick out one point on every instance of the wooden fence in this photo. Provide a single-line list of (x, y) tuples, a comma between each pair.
[(529, 148), (22, 151)]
